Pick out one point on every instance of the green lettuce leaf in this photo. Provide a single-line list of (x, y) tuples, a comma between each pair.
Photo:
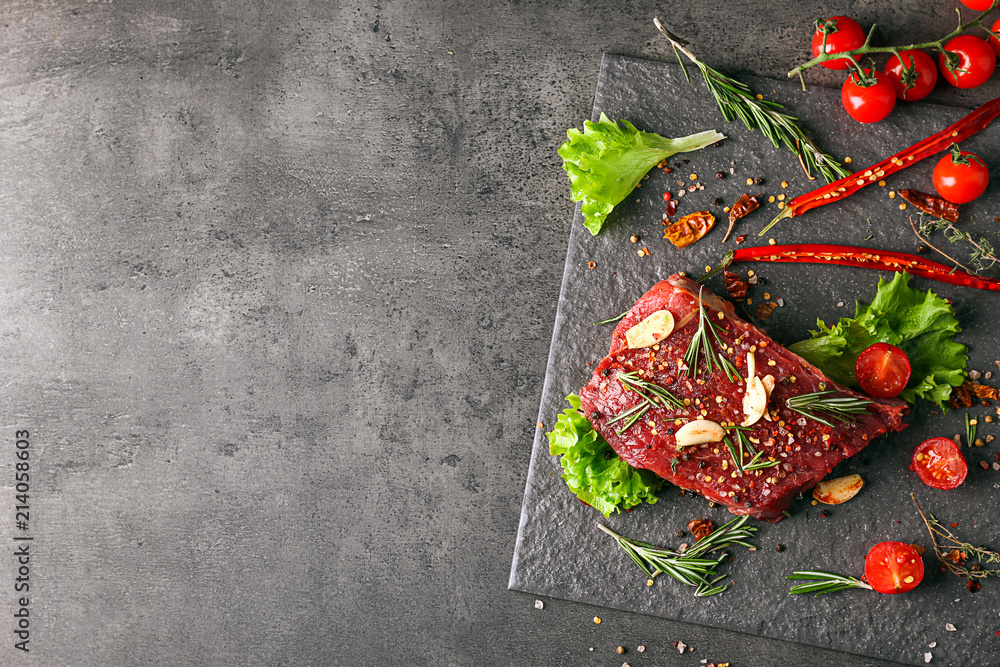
[(605, 162), (606, 485), (921, 323)]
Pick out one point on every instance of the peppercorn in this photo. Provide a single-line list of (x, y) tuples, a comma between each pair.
[(779, 547), (701, 465), (670, 431), (923, 250), (716, 202), (758, 181), (680, 533), (748, 504), (720, 175), (606, 372), (823, 514), (595, 414), (608, 455)]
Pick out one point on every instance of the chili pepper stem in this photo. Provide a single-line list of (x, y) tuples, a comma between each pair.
[(785, 213), (867, 49)]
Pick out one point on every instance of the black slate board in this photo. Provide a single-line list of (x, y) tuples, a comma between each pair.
[(560, 553)]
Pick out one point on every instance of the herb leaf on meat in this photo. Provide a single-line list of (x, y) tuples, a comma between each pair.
[(606, 161), (592, 470), (920, 322)]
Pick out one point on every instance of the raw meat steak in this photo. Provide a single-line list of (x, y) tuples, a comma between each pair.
[(805, 449)]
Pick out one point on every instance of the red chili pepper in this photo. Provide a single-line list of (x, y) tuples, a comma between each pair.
[(866, 258), (960, 131)]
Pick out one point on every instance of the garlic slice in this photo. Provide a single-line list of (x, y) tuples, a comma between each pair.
[(698, 432), (651, 330), (836, 491), (755, 398)]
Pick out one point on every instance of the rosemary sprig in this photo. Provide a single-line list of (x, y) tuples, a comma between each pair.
[(970, 430), (867, 49), (839, 407), (954, 553), (652, 394), (649, 390), (823, 582), (754, 465), (736, 456), (736, 100), (691, 567), (701, 345), (983, 255), (611, 319)]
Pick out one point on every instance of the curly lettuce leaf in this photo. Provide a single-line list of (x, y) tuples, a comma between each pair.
[(606, 485), (605, 162), (919, 322)]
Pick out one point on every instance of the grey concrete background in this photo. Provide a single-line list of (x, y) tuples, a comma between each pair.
[(279, 280)]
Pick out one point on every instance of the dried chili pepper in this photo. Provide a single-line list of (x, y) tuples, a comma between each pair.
[(936, 206), (963, 129), (701, 528), (689, 229), (740, 209), (736, 286), (865, 258)]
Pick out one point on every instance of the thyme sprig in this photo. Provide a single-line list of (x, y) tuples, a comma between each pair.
[(736, 100), (652, 395), (867, 49), (834, 407), (954, 553), (823, 582), (701, 345), (692, 567), (983, 255)]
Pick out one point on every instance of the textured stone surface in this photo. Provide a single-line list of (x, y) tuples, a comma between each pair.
[(279, 282), (555, 525)]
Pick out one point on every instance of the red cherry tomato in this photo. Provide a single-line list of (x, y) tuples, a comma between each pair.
[(993, 40), (846, 35), (939, 463), (917, 79), (871, 103), (974, 63), (960, 176), (978, 5), (893, 567), (882, 370)]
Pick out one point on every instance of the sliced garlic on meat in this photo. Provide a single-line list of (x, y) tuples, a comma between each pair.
[(651, 330), (754, 401), (768, 382), (751, 366), (836, 491), (698, 432)]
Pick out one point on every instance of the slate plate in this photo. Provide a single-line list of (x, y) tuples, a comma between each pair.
[(560, 553)]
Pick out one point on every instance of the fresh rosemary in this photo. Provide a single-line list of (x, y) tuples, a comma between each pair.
[(982, 257), (835, 407), (652, 395), (954, 553), (691, 567), (742, 445), (611, 319), (823, 582), (736, 100), (701, 345), (970, 430)]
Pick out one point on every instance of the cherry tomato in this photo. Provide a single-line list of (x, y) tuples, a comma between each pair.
[(993, 40), (920, 78), (978, 5), (846, 35), (939, 463), (974, 62), (871, 103), (893, 567), (882, 370), (960, 176)]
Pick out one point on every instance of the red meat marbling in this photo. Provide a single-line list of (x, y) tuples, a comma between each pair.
[(806, 450)]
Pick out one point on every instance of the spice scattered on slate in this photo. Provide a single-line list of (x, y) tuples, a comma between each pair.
[(539, 604)]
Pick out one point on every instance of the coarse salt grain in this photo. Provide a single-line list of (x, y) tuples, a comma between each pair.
[(927, 657), (681, 646), (932, 645), (539, 604), (949, 627)]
